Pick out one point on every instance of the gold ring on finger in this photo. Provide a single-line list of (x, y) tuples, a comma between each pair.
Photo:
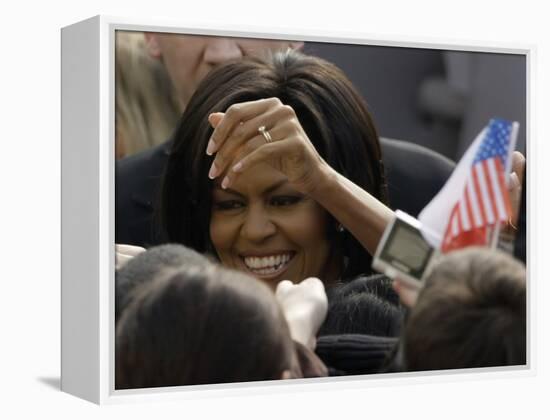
[(265, 133)]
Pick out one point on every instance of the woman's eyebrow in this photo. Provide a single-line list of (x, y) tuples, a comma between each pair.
[(275, 186), (227, 190), (268, 190)]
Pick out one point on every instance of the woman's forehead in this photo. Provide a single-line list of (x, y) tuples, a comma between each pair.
[(259, 179)]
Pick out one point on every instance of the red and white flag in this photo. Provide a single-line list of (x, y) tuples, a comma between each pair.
[(475, 200)]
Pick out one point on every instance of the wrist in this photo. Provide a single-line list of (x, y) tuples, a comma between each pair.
[(322, 182)]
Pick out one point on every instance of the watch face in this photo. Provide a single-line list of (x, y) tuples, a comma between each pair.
[(406, 250)]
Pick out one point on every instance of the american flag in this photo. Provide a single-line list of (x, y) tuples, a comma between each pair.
[(484, 201)]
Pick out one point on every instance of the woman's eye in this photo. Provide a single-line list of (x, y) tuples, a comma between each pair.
[(284, 200), (228, 205)]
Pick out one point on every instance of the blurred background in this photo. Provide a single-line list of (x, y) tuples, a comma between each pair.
[(435, 98)]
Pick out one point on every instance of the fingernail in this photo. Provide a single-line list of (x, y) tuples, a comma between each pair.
[(213, 171), (237, 167), (225, 183), (211, 147)]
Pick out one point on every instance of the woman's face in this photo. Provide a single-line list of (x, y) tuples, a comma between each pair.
[(263, 226)]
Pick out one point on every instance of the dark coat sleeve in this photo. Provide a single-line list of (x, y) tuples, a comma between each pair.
[(137, 197), (355, 354)]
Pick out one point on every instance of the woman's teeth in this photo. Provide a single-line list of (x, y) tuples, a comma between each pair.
[(267, 265)]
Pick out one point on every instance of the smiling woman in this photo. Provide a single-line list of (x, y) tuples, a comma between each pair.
[(294, 159), (266, 227)]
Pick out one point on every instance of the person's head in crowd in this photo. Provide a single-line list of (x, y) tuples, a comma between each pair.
[(146, 105), (202, 325), (366, 305), (263, 226), (378, 284), (470, 313), (189, 58), (144, 267)]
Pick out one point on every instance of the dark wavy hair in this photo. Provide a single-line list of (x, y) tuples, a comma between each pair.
[(331, 111)]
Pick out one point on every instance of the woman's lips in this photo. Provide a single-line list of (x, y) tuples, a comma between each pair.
[(268, 266)]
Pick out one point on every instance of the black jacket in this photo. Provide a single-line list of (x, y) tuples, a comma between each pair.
[(137, 197)]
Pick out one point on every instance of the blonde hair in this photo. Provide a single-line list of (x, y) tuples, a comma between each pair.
[(146, 107)]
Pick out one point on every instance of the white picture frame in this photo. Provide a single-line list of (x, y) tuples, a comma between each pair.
[(87, 327)]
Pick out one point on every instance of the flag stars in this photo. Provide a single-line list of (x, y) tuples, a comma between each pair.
[(496, 140)]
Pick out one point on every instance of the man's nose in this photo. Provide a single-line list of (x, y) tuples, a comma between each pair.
[(258, 225), (220, 50)]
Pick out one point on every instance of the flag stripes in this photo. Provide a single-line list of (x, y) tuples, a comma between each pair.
[(473, 203), (484, 202)]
